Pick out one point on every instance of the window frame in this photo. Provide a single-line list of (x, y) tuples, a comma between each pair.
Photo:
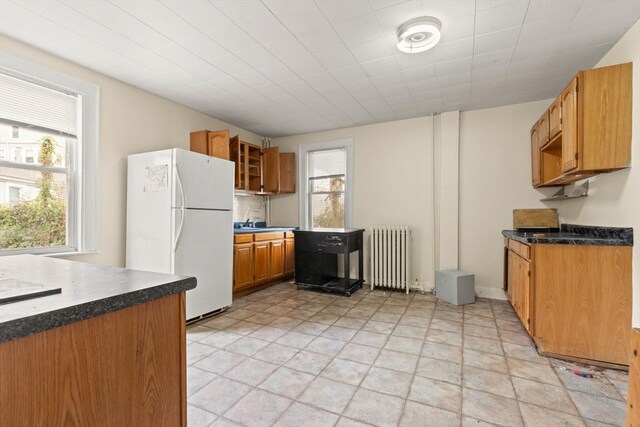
[(303, 178), (83, 232)]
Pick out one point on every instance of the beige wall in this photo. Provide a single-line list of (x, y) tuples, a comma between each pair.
[(614, 199), (495, 178), (131, 121), (393, 182)]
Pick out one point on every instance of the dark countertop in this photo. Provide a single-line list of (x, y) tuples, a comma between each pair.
[(262, 230), (330, 230), (88, 290), (571, 234)]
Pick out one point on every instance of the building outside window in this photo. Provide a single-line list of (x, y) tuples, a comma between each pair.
[(325, 174), (48, 168)]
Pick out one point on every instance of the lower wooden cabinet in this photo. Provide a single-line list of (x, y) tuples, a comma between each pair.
[(261, 262), (518, 286), (261, 258), (277, 259), (289, 258), (574, 300), (242, 265)]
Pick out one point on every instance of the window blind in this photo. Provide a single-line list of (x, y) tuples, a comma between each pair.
[(327, 162), (32, 104)]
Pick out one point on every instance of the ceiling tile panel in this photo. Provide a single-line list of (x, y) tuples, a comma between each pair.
[(499, 40), (239, 10), (381, 66), (493, 58), (544, 9), (305, 65), (454, 50), (287, 48), (120, 21), (500, 16), (392, 17), (231, 37), (298, 15), (553, 27), (258, 57), (264, 28), (201, 14), (358, 30), (341, 10)]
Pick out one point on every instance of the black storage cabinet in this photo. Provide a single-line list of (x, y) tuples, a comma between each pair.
[(316, 259)]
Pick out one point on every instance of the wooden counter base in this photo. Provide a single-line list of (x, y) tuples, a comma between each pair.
[(124, 368)]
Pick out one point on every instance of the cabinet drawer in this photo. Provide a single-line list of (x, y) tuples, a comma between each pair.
[(261, 237), (520, 248), (289, 234), (242, 238)]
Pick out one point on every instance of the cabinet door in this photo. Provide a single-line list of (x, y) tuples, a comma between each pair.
[(253, 164), (555, 118), (218, 144), (261, 261), (287, 173), (569, 99), (543, 129), (524, 292), (535, 156), (271, 170), (242, 265), (511, 275), (236, 155), (289, 257), (277, 259)]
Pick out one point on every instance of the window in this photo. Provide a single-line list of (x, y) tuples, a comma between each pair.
[(14, 195), (28, 157), (48, 127), (17, 154), (326, 175)]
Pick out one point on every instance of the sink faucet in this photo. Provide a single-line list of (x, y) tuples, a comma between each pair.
[(247, 223)]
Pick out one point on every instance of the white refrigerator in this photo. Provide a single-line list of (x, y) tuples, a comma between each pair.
[(180, 221)]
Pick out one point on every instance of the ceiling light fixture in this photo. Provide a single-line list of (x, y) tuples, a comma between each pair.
[(419, 34)]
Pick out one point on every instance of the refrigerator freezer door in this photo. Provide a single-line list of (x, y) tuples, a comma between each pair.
[(203, 182), (205, 250)]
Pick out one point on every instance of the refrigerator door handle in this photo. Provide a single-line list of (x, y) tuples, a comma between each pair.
[(182, 208), (183, 195), (183, 213)]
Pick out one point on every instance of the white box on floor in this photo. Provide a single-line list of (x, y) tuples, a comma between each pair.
[(455, 287)]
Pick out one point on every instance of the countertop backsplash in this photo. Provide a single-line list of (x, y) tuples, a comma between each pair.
[(249, 207)]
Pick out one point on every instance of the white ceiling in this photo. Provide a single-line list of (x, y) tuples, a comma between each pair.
[(283, 67)]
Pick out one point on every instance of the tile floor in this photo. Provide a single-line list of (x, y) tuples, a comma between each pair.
[(284, 357)]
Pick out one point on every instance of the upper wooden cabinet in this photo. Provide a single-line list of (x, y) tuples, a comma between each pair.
[(535, 155), (569, 108), (555, 118), (211, 143), (587, 129), (543, 129), (260, 170)]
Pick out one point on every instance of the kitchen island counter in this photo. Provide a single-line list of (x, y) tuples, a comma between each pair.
[(87, 290), (108, 349)]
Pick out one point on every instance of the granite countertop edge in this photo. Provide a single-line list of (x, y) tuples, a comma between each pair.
[(585, 240), (29, 325)]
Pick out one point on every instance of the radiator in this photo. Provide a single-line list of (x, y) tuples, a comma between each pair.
[(391, 257)]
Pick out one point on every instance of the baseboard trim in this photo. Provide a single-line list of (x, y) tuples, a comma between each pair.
[(491, 293)]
